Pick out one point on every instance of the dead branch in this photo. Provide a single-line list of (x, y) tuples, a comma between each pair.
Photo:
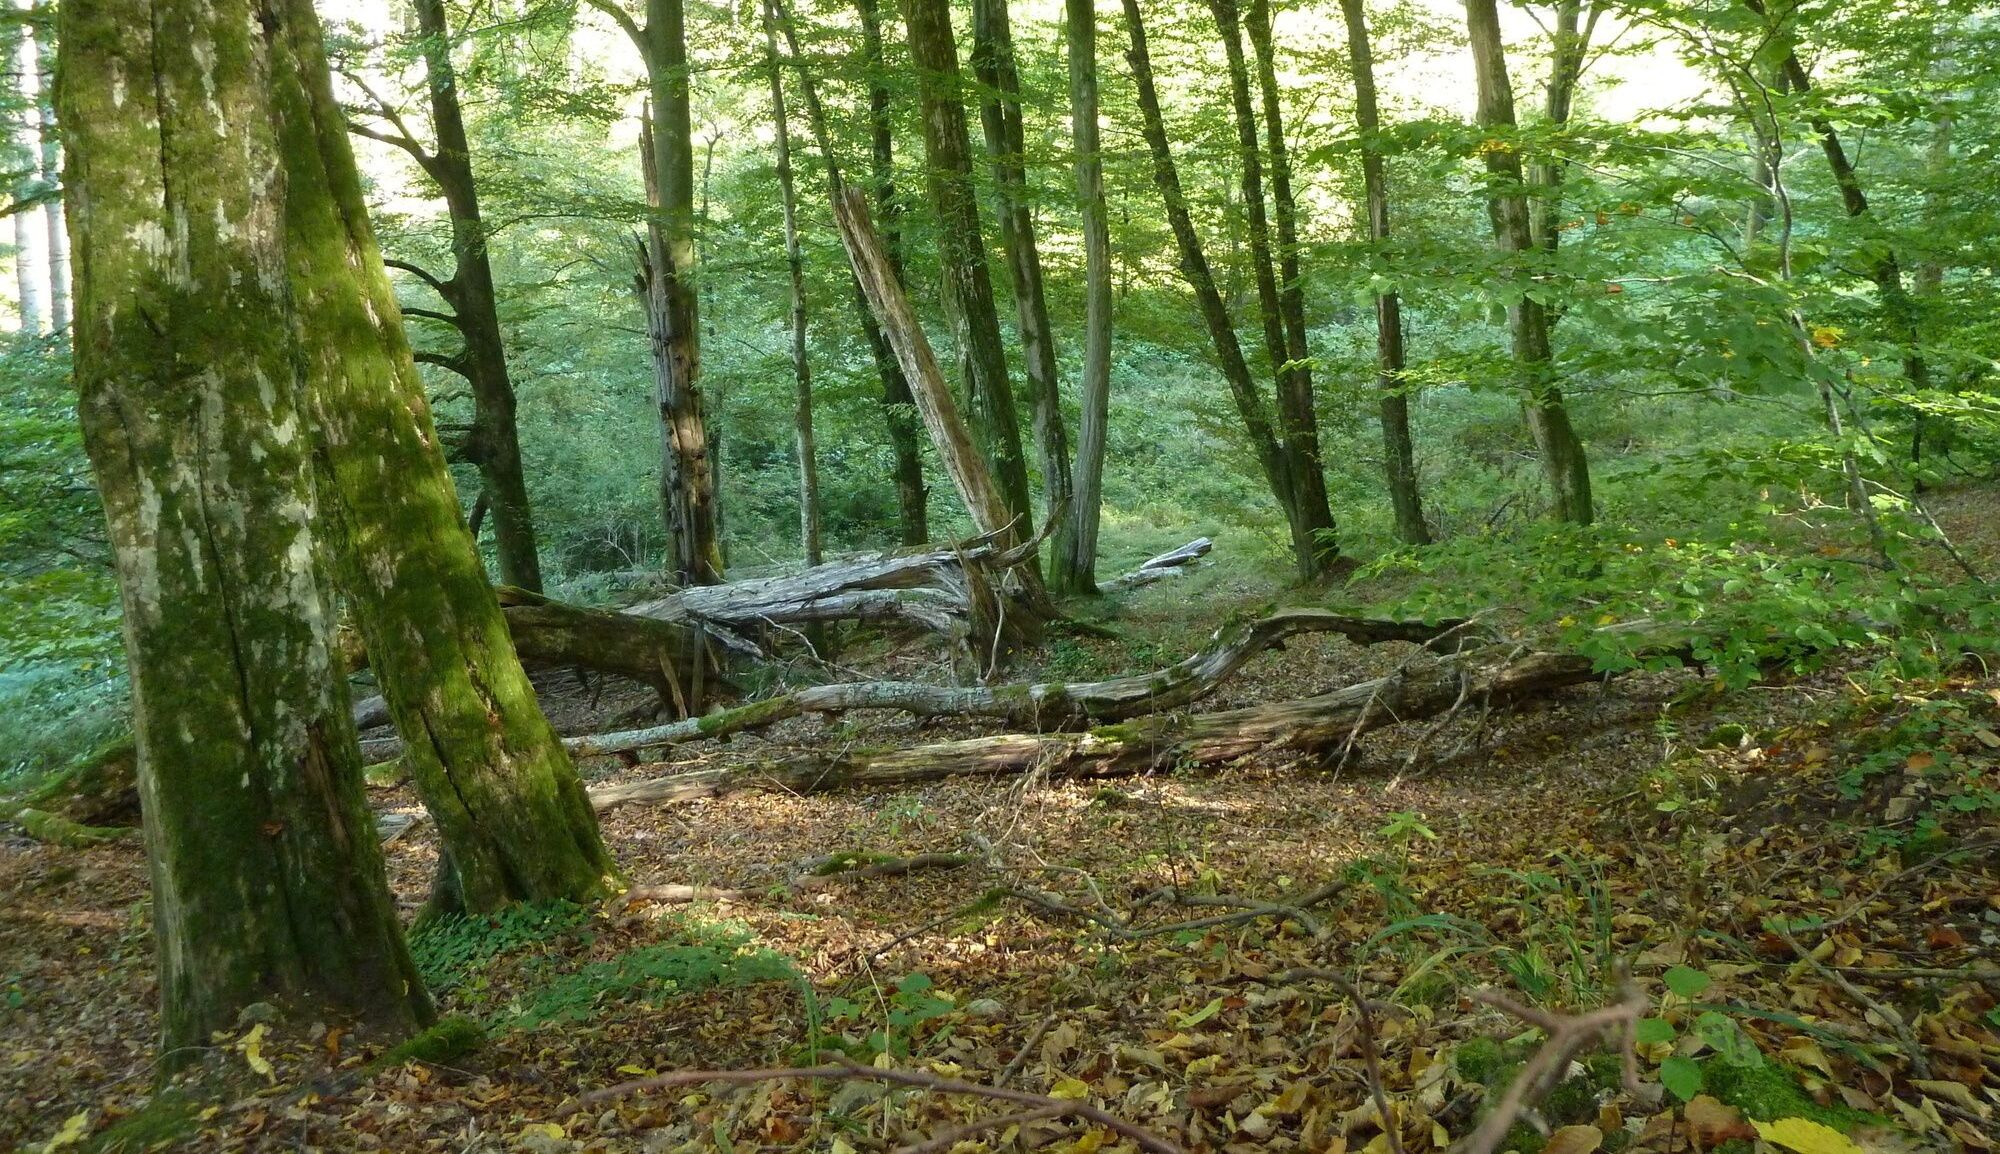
[(849, 1070), (1371, 1051), (1131, 747), (1043, 705), (1243, 910), (1168, 564), (808, 882), (1568, 1035)]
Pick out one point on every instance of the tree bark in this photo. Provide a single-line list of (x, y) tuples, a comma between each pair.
[(494, 445), (44, 22), (802, 407), (1564, 466), (968, 284), (994, 67), (506, 799), (667, 264), (1298, 421), (1150, 743), (1571, 41), (1269, 451), (1094, 386), (268, 884), (1398, 452), (31, 248)]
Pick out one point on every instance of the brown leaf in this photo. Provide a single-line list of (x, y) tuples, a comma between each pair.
[(1714, 1123), (1574, 1140)]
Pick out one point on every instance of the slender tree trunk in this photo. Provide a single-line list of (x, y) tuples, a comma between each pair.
[(1571, 40), (1564, 466), (802, 408), (1000, 113), (968, 284), (1195, 270), (494, 446), (898, 407), (31, 242), (268, 883), (1095, 384), (1398, 453), (508, 804), (51, 162), (1298, 421)]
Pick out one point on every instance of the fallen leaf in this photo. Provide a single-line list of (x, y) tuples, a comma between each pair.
[(1714, 1123), (1806, 1136), (1574, 1140), (73, 1129)]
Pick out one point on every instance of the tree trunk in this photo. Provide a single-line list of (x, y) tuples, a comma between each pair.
[(802, 409), (506, 799), (994, 67), (1298, 420), (1271, 455), (968, 284), (898, 407), (1094, 387), (687, 481), (961, 458), (1398, 452), (31, 247), (1564, 467), (268, 884), (51, 165), (494, 445), (1571, 41)]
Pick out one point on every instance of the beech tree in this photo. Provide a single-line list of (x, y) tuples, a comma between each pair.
[(193, 355), (673, 322), (968, 283), (1564, 467), (508, 804), (802, 413), (1398, 452), (493, 444), (1080, 27)]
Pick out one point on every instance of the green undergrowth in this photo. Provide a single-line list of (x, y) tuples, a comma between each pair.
[(705, 957), (456, 950)]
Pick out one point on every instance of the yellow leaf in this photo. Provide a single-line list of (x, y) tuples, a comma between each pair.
[(1803, 1051), (541, 1130), (1805, 1136), (1440, 1137), (635, 1071), (842, 1146), (1090, 1143), (1070, 1089), (252, 1046), (73, 1129)]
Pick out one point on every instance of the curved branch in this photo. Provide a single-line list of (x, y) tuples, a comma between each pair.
[(456, 362), (625, 21), (443, 288)]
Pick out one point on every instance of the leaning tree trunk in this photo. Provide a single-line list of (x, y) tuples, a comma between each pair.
[(1398, 453), (1298, 428), (1000, 114), (494, 445), (1095, 384), (506, 799), (268, 885), (968, 284), (1195, 270), (1564, 466), (795, 266)]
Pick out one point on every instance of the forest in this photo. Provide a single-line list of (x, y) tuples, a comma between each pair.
[(1341, 576)]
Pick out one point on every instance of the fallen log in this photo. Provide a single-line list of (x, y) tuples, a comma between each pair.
[(1045, 705), (1168, 564), (672, 657), (1152, 742)]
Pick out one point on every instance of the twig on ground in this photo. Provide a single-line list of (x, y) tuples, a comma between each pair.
[(1371, 1051), (1021, 1056), (1905, 1036), (947, 1139), (1567, 1035), (847, 1069), (1245, 910), (804, 883)]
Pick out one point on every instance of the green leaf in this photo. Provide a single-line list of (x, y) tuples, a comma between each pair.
[(1653, 1031), (1681, 1077), (1686, 981)]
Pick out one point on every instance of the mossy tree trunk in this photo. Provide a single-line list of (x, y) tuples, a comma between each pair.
[(968, 283), (267, 881), (1564, 466), (509, 806)]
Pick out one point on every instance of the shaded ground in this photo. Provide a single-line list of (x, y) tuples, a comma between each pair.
[(1535, 850)]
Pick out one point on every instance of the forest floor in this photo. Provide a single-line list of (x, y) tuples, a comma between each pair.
[(1803, 877)]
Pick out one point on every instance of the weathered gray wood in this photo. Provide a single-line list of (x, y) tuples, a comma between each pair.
[(1172, 739)]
